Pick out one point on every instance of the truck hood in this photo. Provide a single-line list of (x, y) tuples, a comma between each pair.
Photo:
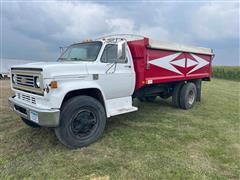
[(58, 69)]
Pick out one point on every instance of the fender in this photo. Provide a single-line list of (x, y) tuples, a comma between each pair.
[(57, 95)]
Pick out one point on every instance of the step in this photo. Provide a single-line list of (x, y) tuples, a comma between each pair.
[(115, 112)]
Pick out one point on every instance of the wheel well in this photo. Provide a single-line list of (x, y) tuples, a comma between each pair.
[(93, 92)]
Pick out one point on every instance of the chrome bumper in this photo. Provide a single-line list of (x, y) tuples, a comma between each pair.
[(45, 117)]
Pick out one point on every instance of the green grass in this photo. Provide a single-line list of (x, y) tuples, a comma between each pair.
[(156, 142), (227, 72)]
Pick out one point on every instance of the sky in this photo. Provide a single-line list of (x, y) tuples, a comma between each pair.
[(36, 30)]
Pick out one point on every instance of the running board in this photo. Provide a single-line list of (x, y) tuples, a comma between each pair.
[(123, 110), (119, 106)]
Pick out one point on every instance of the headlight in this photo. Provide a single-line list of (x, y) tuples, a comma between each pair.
[(14, 78), (37, 82)]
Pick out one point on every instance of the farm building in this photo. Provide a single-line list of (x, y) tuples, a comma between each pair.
[(5, 65)]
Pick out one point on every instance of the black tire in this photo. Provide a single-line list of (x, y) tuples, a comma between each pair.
[(30, 123), (82, 122), (176, 94), (188, 96)]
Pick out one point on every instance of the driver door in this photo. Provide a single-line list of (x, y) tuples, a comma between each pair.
[(118, 78)]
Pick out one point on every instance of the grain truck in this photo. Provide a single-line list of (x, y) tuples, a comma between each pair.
[(97, 79)]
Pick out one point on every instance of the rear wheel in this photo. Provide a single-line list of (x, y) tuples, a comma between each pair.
[(30, 123), (188, 96), (176, 94), (82, 122)]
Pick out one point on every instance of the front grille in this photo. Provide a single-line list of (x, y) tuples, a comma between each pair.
[(26, 98), (25, 80)]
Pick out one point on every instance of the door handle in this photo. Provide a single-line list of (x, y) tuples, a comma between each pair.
[(127, 66)]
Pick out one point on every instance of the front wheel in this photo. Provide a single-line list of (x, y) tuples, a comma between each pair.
[(82, 122)]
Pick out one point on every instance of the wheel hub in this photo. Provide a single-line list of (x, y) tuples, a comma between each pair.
[(84, 123), (191, 97)]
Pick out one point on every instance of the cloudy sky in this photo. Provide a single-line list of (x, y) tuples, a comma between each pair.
[(36, 30)]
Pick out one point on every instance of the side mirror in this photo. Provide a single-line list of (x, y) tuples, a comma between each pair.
[(121, 51), (62, 49)]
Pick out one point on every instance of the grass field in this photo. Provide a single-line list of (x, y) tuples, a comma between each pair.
[(156, 142)]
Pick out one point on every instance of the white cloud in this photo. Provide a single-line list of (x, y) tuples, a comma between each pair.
[(120, 25), (59, 20), (123, 25), (73, 21), (77, 20), (43, 27), (216, 21), (155, 32)]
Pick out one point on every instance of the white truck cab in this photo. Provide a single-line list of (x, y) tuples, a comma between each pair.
[(89, 82)]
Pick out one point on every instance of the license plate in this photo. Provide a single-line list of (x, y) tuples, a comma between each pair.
[(34, 116)]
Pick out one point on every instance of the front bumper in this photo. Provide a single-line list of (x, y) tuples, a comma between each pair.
[(43, 117)]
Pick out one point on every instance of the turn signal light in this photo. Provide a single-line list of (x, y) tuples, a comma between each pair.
[(53, 84)]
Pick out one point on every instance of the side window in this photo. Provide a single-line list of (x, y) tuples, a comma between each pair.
[(109, 54)]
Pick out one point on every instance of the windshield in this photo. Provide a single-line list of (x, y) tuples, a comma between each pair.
[(81, 52)]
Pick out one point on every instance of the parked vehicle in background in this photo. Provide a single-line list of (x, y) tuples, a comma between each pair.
[(94, 80), (6, 63)]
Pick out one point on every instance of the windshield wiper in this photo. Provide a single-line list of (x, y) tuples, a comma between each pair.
[(77, 59)]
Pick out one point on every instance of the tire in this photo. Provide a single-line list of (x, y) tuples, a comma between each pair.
[(30, 123), (188, 96), (176, 94), (82, 122)]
